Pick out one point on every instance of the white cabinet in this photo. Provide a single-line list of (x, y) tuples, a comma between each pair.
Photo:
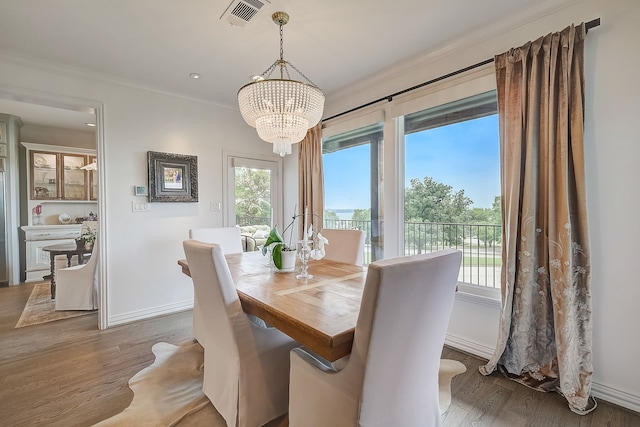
[(37, 237)]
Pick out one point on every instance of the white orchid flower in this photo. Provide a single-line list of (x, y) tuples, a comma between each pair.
[(318, 251)]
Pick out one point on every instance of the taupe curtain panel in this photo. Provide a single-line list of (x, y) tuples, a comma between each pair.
[(544, 340), (310, 178)]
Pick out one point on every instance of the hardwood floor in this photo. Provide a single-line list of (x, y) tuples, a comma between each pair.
[(498, 402), (68, 373)]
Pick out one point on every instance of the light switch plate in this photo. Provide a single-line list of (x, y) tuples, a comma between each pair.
[(139, 206)]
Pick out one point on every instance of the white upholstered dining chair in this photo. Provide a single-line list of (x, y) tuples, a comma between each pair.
[(344, 245), (77, 286), (246, 372), (230, 241), (228, 237), (391, 375)]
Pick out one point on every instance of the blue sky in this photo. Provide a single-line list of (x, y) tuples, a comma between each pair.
[(464, 155)]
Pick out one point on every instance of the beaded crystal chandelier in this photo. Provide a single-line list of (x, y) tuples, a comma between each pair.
[(281, 110)]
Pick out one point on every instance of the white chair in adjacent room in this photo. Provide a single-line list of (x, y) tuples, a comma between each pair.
[(246, 372), (391, 375), (230, 240), (227, 237), (77, 286), (344, 245)]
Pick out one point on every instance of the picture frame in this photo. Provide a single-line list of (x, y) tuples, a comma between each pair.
[(172, 177)]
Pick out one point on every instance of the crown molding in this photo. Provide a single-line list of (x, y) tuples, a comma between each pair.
[(476, 36), (94, 77)]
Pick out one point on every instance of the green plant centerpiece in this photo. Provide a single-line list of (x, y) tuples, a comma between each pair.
[(313, 245), (276, 244)]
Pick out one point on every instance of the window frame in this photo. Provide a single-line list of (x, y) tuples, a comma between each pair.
[(476, 106), (233, 160), (371, 135), (479, 80)]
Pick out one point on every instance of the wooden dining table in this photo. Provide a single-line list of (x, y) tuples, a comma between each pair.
[(320, 313)]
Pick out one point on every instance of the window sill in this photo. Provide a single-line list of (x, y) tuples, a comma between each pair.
[(479, 295)]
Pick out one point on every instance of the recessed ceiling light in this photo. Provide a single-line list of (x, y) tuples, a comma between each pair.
[(91, 124), (195, 75)]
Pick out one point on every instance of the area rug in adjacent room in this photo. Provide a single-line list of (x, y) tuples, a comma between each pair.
[(169, 391), (40, 308)]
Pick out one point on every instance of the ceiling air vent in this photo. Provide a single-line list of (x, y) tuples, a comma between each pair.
[(240, 12)]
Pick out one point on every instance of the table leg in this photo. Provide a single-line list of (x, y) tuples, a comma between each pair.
[(53, 279)]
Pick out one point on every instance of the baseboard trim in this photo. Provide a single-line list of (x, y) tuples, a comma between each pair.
[(600, 391), (134, 316), (615, 396), (469, 346)]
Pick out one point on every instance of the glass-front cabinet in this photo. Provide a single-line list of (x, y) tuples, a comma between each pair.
[(62, 176), (74, 178), (44, 175), (93, 178)]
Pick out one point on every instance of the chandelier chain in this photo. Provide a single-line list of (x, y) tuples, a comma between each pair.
[(281, 43), (282, 63), (284, 70), (302, 74), (267, 73)]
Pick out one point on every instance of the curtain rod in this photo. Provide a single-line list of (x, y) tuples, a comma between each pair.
[(588, 25)]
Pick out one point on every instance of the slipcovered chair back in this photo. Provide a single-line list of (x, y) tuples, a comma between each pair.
[(227, 237), (230, 241), (344, 245), (391, 375), (77, 286), (246, 367)]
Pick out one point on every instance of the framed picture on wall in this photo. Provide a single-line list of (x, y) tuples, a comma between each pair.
[(172, 177)]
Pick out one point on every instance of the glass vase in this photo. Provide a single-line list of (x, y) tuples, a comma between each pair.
[(305, 252)]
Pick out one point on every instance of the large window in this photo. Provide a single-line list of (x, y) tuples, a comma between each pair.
[(452, 185), (352, 163)]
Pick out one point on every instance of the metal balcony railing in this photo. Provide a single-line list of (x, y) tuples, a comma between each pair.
[(480, 245)]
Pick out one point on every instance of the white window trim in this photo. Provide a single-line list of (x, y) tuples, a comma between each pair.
[(351, 122), (483, 80), (473, 83), (463, 86), (479, 293), (230, 161)]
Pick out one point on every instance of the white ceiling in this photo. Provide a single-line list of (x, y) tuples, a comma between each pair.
[(158, 43)]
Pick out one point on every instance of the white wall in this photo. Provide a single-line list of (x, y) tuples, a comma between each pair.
[(56, 136), (144, 276), (142, 249), (612, 150)]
